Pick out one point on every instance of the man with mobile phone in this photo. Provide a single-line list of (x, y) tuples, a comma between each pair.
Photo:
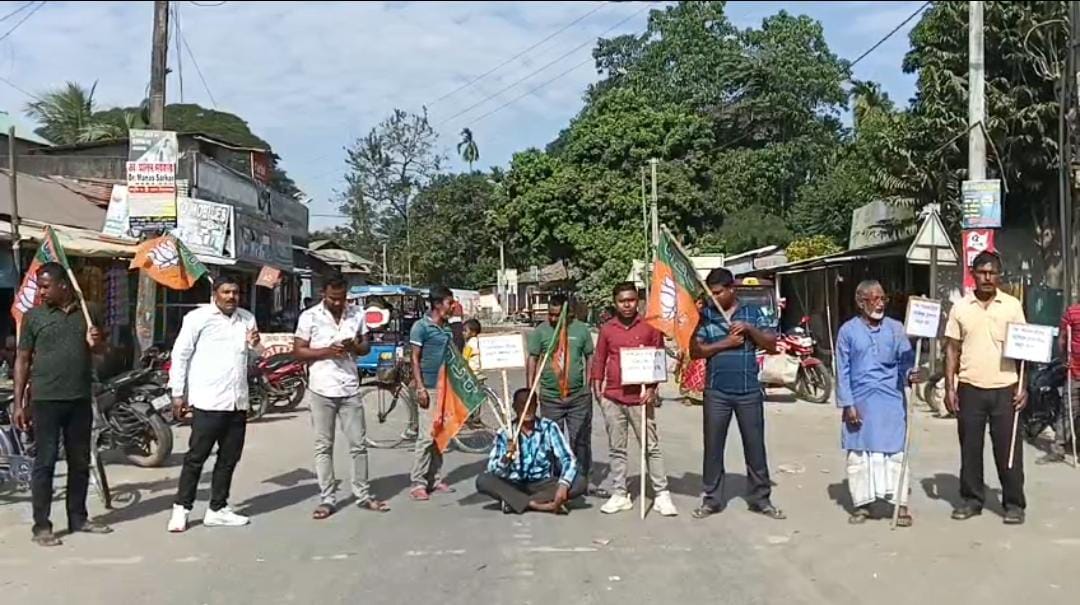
[(328, 337)]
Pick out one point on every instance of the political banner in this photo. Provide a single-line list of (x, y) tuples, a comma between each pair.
[(151, 179)]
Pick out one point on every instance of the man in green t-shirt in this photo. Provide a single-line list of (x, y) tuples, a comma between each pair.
[(572, 412)]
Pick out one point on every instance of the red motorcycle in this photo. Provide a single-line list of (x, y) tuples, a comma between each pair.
[(812, 380), (284, 380)]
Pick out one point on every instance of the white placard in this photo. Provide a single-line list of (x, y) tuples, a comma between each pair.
[(643, 365), (1029, 342), (923, 317), (502, 351)]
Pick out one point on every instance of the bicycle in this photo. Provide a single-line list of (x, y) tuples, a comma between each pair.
[(17, 455), (476, 437)]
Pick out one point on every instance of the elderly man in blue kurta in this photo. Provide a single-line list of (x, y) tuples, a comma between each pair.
[(874, 360)]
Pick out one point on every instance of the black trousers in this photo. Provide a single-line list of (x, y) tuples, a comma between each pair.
[(226, 430), (574, 416), (518, 494), (72, 421), (749, 412), (979, 407)]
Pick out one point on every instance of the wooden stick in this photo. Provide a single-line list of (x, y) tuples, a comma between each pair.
[(532, 392), (904, 465), (82, 299), (1016, 417), (1069, 390), (506, 403), (644, 442)]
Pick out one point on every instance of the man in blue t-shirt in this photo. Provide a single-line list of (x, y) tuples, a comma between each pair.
[(429, 337), (728, 338)]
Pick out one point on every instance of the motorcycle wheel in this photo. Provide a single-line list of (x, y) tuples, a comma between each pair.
[(813, 384), (293, 400), (158, 443)]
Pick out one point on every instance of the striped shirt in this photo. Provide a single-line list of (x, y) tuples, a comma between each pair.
[(1072, 318), (537, 453)]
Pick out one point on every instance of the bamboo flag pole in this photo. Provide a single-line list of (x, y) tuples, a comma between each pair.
[(905, 467), (1069, 389), (700, 281), (532, 392), (644, 443), (81, 297), (1016, 416), (507, 405)]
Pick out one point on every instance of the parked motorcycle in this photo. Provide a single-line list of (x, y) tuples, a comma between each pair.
[(131, 406), (813, 382), (1046, 403), (284, 379)]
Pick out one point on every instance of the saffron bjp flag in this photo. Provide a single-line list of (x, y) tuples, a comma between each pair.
[(169, 262), (560, 352), (458, 395), (675, 291), (28, 297)]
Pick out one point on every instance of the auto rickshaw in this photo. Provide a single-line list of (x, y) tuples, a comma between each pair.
[(389, 312)]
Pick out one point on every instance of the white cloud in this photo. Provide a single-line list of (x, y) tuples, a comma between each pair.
[(311, 76)]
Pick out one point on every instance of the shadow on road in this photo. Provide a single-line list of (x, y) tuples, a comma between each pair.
[(946, 487), (839, 494), (690, 484)]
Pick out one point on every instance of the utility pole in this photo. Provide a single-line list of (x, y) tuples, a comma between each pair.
[(13, 180), (384, 276), (158, 64), (1070, 96), (656, 217), (500, 282), (646, 230), (976, 92)]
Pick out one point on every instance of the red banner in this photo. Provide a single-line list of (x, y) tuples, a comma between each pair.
[(975, 241), (260, 167)]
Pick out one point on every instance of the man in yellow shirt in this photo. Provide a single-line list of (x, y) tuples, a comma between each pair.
[(981, 388)]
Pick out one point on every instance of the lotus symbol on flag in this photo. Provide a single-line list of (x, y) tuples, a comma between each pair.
[(27, 295), (669, 306), (164, 255)]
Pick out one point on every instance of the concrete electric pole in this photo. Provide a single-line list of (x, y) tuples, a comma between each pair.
[(976, 93), (158, 64)]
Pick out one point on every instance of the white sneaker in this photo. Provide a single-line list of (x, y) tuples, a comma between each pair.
[(663, 504), (179, 518), (617, 504), (224, 518)]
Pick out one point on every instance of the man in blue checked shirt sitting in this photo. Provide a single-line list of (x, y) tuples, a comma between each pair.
[(542, 475)]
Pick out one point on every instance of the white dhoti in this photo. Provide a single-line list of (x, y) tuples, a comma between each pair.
[(874, 476)]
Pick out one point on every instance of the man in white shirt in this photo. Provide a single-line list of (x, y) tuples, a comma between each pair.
[(209, 374), (328, 337)]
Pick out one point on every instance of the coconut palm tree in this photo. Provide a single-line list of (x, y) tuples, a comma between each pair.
[(66, 114), (467, 148)]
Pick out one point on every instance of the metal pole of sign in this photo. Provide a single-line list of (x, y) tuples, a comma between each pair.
[(13, 180)]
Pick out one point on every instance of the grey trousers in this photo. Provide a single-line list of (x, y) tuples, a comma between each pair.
[(427, 460), (619, 420), (326, 413)]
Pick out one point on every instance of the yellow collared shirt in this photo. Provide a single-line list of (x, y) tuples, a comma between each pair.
[(981, 333)]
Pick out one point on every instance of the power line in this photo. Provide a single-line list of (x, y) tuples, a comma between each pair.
[(195, 62), (518, 55), (208, 4), (21, 21), (20, 89), (545, 66), (16, 11), (890, 34), (529, 92)]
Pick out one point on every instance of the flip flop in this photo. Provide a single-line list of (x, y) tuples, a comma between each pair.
[(860, 516), (322, 511), (704, 511), (46, 539), (904, 521), (375, 506)]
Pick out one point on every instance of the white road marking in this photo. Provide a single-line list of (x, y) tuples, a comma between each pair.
[(432, 553), (103, 561), (561, 549), (189, 559)]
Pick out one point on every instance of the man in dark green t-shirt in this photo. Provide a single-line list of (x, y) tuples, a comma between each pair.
[(54, 357), (572, 412), (428, 339)]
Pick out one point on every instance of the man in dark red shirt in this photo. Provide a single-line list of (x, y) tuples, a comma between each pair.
[(620, 403), (1070, 326)]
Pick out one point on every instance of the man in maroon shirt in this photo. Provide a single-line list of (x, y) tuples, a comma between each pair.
[(620, 403), (1063, 433)]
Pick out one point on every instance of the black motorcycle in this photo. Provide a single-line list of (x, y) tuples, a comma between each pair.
[(1046, 406), (131, 405)]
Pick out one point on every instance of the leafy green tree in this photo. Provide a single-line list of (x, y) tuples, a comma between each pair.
[(66, 115), (747, 229), (811, 247), (455, 238)]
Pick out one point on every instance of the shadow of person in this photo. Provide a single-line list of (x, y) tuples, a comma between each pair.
[(840, 494), (946, 487), (733, 486)]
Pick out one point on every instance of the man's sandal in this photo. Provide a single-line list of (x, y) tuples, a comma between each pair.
[(46, 539), (322, 511), (860, 516), (904, 520), (375, 506)]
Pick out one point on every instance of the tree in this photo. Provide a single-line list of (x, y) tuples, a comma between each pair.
[(811, 247), (456, 240), (67, 115), (747, 229), (467, 148), (387, 168)]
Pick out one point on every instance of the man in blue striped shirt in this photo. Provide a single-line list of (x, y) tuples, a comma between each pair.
[(541, 475)]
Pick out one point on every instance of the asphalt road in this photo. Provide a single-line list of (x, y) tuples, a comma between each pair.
[(458, 549)]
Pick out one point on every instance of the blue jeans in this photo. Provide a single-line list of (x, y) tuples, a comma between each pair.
[(749, 411)]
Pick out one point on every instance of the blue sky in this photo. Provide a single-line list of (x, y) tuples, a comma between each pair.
[(310, 77)]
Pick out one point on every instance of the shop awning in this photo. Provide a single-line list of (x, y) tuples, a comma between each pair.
[(891, 250), (76, 241)]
